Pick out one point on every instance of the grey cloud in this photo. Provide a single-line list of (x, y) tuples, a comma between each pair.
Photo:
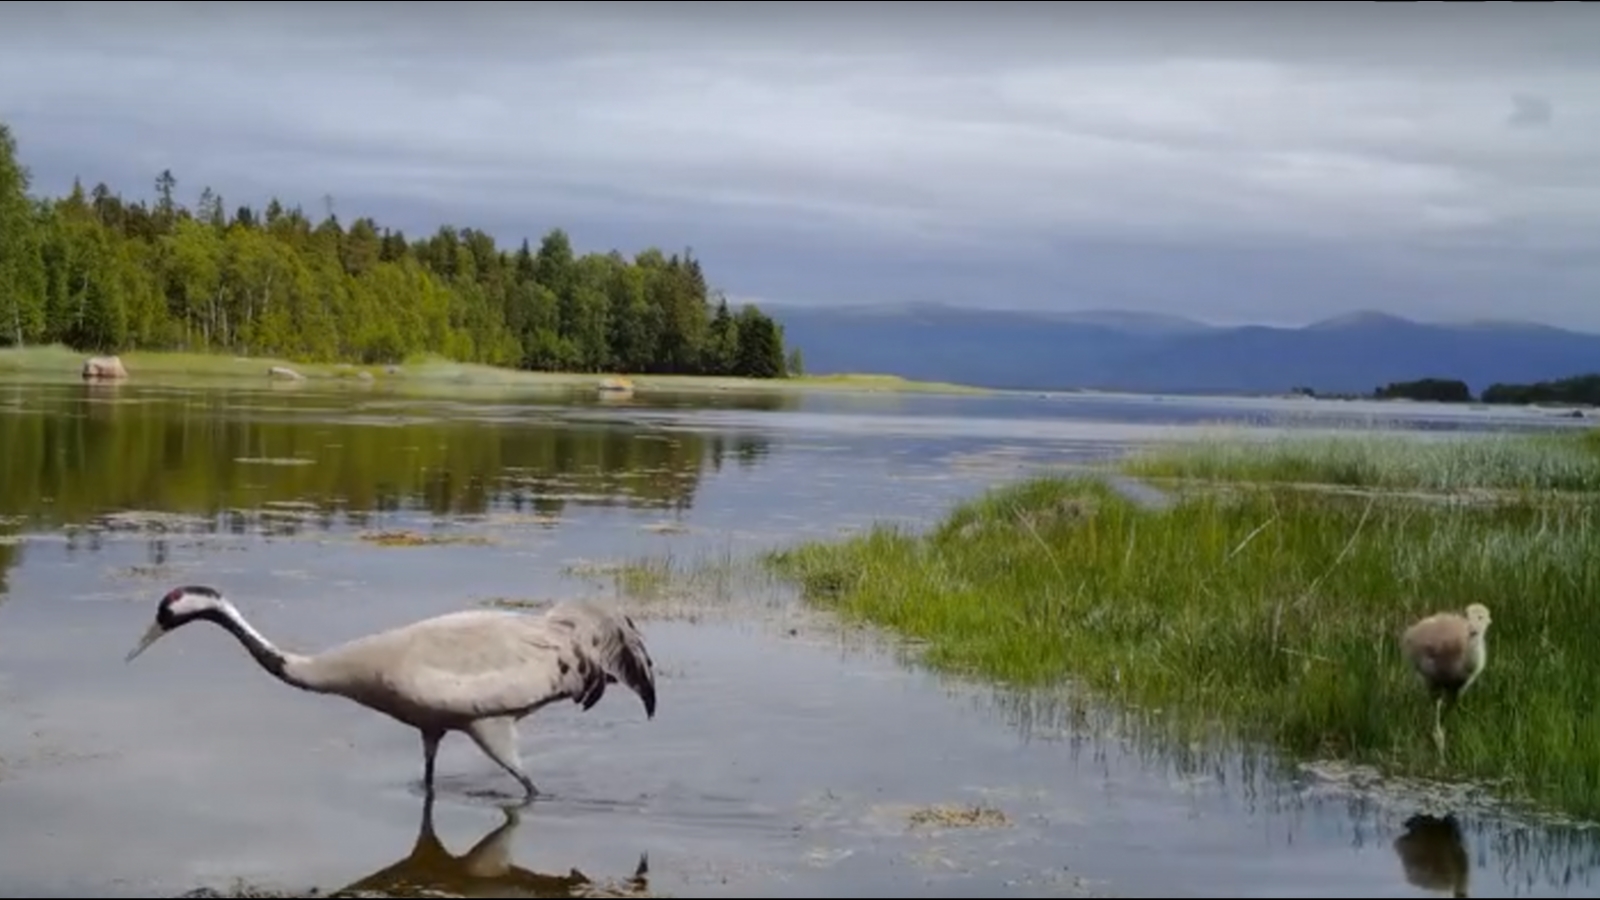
[(1218, 159), (1530, 111)]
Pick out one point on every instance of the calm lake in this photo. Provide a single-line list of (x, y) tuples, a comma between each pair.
[(786, 759)]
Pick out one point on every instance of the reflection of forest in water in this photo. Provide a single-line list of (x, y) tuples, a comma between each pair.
[(77, 456)]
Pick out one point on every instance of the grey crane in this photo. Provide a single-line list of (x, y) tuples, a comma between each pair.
[(473, 671), (1448, 650)]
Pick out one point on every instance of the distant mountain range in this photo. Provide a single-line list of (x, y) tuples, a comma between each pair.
[(1113, 350)]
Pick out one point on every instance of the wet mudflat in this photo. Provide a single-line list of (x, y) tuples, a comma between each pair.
[(787, 757)]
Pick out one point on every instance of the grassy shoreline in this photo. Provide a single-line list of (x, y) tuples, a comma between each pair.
[(145, 365), (1392, 460), (1269, 612)]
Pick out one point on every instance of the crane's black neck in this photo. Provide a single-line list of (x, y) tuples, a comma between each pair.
[(268, 656)]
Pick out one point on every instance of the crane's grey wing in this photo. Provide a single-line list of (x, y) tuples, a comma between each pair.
[(613, 641), (486, 663)]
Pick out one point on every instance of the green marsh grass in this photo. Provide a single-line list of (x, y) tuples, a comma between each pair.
[(1262, 613), (1567, 460)]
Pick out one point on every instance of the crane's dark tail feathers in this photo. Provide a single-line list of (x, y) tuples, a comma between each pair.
[(616, 650)]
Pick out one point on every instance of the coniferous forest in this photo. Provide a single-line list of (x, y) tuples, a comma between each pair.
[(103, 274)]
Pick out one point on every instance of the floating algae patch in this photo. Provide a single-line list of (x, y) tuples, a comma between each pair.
[(946, 842), (273, 461), (281, 520), (571, 496), (851, 813), (151, 521), (402, 538), (1365, 783), (947, 815)]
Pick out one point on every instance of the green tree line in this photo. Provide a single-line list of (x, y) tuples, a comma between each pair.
[(1441, 390), (1577, 390), (100, 273)]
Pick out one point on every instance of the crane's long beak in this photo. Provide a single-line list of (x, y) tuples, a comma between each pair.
[(154, 631)]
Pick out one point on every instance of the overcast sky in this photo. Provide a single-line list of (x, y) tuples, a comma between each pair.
[(1268, 162)]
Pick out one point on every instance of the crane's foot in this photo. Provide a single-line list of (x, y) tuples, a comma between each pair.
[(503, 798), (512, 808), (513, 811), (1438, 740)]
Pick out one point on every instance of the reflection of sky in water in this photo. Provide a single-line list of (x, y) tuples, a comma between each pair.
[(777, 765)]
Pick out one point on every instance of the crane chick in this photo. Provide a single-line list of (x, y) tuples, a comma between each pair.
[(1448, 650), (474, 671)]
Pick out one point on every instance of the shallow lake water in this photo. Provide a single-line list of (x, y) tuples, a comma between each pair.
[(787, 758)]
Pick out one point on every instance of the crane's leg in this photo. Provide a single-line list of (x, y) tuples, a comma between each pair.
[(497, 738), (1438, 724), (430, 752), (425, 831)]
